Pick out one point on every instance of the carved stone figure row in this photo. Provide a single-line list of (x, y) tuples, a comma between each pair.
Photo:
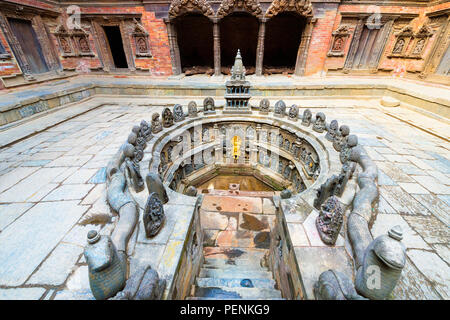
[(134, 152)]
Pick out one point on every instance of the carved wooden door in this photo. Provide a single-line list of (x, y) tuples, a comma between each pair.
[(26, 36), (367, 46)]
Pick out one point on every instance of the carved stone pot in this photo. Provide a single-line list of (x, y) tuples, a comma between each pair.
[(383, 262), (107, 273)]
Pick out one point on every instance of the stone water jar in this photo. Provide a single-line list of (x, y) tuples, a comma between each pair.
[(386, 254), (107, 274)]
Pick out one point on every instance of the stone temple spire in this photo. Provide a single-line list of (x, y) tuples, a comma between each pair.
[(238, 70), (238, 89)]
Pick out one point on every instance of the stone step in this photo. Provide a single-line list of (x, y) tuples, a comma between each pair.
[(234, 273), (237, 293), (233, 253), (235, 282), (222, 263)]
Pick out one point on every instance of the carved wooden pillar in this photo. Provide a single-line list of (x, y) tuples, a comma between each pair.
[(216, 41), (380, 44), (354, 45), (302, 53), (46, 44), (433, 59), (260, 47), (174, 49)]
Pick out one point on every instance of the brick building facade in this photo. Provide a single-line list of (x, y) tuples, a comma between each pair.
[(51, 39)]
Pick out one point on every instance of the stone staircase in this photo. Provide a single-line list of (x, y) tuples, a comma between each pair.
[(236, 241), (232, 274)]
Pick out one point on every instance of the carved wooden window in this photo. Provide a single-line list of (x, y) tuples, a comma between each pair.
[(64, 41), (73, 43), (420, 41), (402, 41), (339, 41), (82, 44), (140, 36)]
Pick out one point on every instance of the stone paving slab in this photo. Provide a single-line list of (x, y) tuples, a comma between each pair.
[(32, 237), (57, 267), (22, 293)]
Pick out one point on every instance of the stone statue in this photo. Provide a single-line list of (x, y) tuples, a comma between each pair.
[(384, 260), (178, 114), (144, 284), (334, 285), (293, 112), (346, 150), (419, 47), (153, 215), (320, 124), (154, 184), (329, 221), (107, 273), (332, 130), (156, 123), (191, 191), (264, 106), (208, 105), (286, 194), (145, 130), (167, 118), (280, 108), (325, 191), (398, 48), (192, 109), (306, 119), (341, 137)]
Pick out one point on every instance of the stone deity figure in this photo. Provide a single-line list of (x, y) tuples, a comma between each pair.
[(329, 221), (319, 124), (341, 137), (398, 48), (178, 114), (306, 119), (293, 112), (167, 118), (332, 130), (280, 108), (346, 150), (208, 105), (153, 216), (192, 109), (264, 106), (156, 123)]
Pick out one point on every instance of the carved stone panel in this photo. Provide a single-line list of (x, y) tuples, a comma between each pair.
[(339, 41), (140, 36)]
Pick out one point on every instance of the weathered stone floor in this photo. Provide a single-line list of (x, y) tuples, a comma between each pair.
[(49, 181)]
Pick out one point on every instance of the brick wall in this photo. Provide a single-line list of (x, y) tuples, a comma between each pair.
[(160, 63)]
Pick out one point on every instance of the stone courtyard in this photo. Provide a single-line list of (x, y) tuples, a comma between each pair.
[(52, 181)]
